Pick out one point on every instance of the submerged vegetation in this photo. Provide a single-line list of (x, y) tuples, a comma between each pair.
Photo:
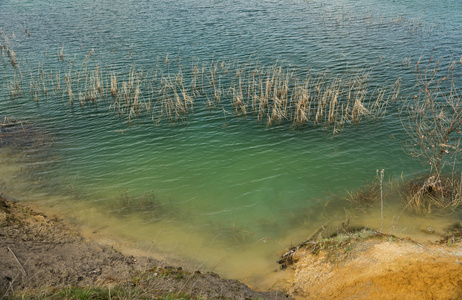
[(125, 204), (23, 135)]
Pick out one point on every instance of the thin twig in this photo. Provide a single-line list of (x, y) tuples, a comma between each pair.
[(19, 263)]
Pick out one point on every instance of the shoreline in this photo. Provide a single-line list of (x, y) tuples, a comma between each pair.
[(40, 254), (45, 257)]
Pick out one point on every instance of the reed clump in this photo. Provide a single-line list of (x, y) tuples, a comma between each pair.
[(271, 95), (364, 198), (15, 85), (6, 47), (14, 89), (433, 195)]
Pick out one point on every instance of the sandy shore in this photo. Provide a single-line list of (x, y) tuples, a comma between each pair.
[(366, 264)]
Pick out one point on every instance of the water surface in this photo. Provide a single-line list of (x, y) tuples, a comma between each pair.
[(217, 191)]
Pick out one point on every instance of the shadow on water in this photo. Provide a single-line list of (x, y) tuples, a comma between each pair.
[(24, 136)]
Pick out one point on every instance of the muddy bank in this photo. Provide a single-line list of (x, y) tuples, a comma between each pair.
[(38, 252), (366, 264)]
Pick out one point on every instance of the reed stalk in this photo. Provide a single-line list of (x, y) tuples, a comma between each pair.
[(380, 178), (274, 93)]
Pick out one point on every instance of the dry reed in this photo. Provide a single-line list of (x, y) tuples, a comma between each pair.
[(273, 95)]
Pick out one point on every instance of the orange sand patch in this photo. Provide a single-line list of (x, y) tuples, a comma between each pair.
[(378, 269)]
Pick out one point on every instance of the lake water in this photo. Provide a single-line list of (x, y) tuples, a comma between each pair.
[(212, 187)]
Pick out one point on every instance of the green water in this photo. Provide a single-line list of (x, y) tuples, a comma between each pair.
[(217, 191)]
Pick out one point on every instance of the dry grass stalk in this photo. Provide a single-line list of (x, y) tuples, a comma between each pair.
[(434, 195), (272, 94), (60, 54), (12, 57), (114, 87)]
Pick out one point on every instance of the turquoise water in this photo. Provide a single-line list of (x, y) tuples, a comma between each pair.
[(223, 192)]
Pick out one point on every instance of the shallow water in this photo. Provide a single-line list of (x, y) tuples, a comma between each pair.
[(223, 192)]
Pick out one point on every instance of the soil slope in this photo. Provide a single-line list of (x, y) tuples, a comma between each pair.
[(377, 267)]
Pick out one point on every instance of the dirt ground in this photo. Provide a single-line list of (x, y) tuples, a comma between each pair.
[(377, 267), (37, 251)]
